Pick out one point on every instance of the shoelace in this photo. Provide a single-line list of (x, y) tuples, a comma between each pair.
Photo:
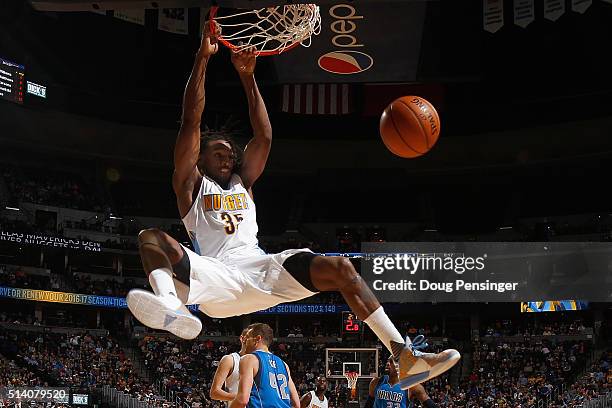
[(419, 343)]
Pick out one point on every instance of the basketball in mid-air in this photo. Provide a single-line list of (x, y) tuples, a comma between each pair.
[(409, 126)]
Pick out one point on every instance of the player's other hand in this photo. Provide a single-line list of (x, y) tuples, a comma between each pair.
[(244, 61), (210, 43)]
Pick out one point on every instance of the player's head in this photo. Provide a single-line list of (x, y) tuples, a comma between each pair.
[(391, 367), (258, 334), (321, 383), (220, 156), (243, 337)]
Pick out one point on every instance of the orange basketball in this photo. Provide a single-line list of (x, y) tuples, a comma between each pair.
[(409, 126)]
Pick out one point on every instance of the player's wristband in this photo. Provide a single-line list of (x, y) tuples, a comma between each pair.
[(369, 402), (430, 404)]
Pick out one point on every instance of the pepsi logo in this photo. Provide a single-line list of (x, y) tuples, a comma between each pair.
[(345, 62)]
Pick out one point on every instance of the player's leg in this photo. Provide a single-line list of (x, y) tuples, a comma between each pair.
[(339, 274), (162, 257), (158, 253), (320, 273)]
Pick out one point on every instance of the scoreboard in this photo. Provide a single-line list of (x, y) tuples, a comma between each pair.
[(350, 323), (11, 81)]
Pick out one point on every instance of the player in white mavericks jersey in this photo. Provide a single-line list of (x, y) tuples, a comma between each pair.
[(225, 382), (316, 398), (229, 274)]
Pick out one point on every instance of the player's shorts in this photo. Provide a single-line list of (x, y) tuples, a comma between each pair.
[(237, 285)]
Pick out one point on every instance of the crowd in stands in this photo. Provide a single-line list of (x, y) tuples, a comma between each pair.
[(187, 368), (79, 361), (594, 383), (514, 374), (428, 328), (530, 328), (11, 375), (505, 374)]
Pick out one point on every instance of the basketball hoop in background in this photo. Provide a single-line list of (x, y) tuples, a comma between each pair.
[(352, 377), (270, 30)]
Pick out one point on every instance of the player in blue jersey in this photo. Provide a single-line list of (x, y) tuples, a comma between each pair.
[(265, 380), (385, 391)]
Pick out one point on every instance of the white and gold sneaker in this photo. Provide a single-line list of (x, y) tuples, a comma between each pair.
[(163, 313)]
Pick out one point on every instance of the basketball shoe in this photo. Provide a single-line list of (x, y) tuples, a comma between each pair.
[(163, 313), (416, 366)]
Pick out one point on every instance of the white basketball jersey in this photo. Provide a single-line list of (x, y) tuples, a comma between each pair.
[(315, 402), (221, 221), (231, 382)]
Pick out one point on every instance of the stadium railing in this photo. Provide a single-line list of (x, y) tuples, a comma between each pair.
[(605, 401), (119, 399), (169, 396), (551, 397)]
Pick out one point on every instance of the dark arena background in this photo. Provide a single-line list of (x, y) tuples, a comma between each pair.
[(90, 107)]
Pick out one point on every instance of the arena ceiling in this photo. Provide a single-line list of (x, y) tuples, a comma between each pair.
[(97, 65)]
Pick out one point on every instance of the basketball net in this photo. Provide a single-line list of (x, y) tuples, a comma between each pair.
[(352, 377), (269, 30)]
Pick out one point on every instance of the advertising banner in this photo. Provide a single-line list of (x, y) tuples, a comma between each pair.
[(49, 241), (359, 42)]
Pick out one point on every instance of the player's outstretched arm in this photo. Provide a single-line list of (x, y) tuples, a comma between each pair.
[(258, 148), (295, 397), (305, 400), (223, 371), (249, 366), (187, 147)]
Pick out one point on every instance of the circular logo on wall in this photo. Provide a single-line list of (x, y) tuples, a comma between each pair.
[(345, 62)]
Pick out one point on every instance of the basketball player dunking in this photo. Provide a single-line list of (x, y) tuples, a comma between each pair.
[(316, 398), (386, 392), (228, 274), (265, 380), (225, 383)]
